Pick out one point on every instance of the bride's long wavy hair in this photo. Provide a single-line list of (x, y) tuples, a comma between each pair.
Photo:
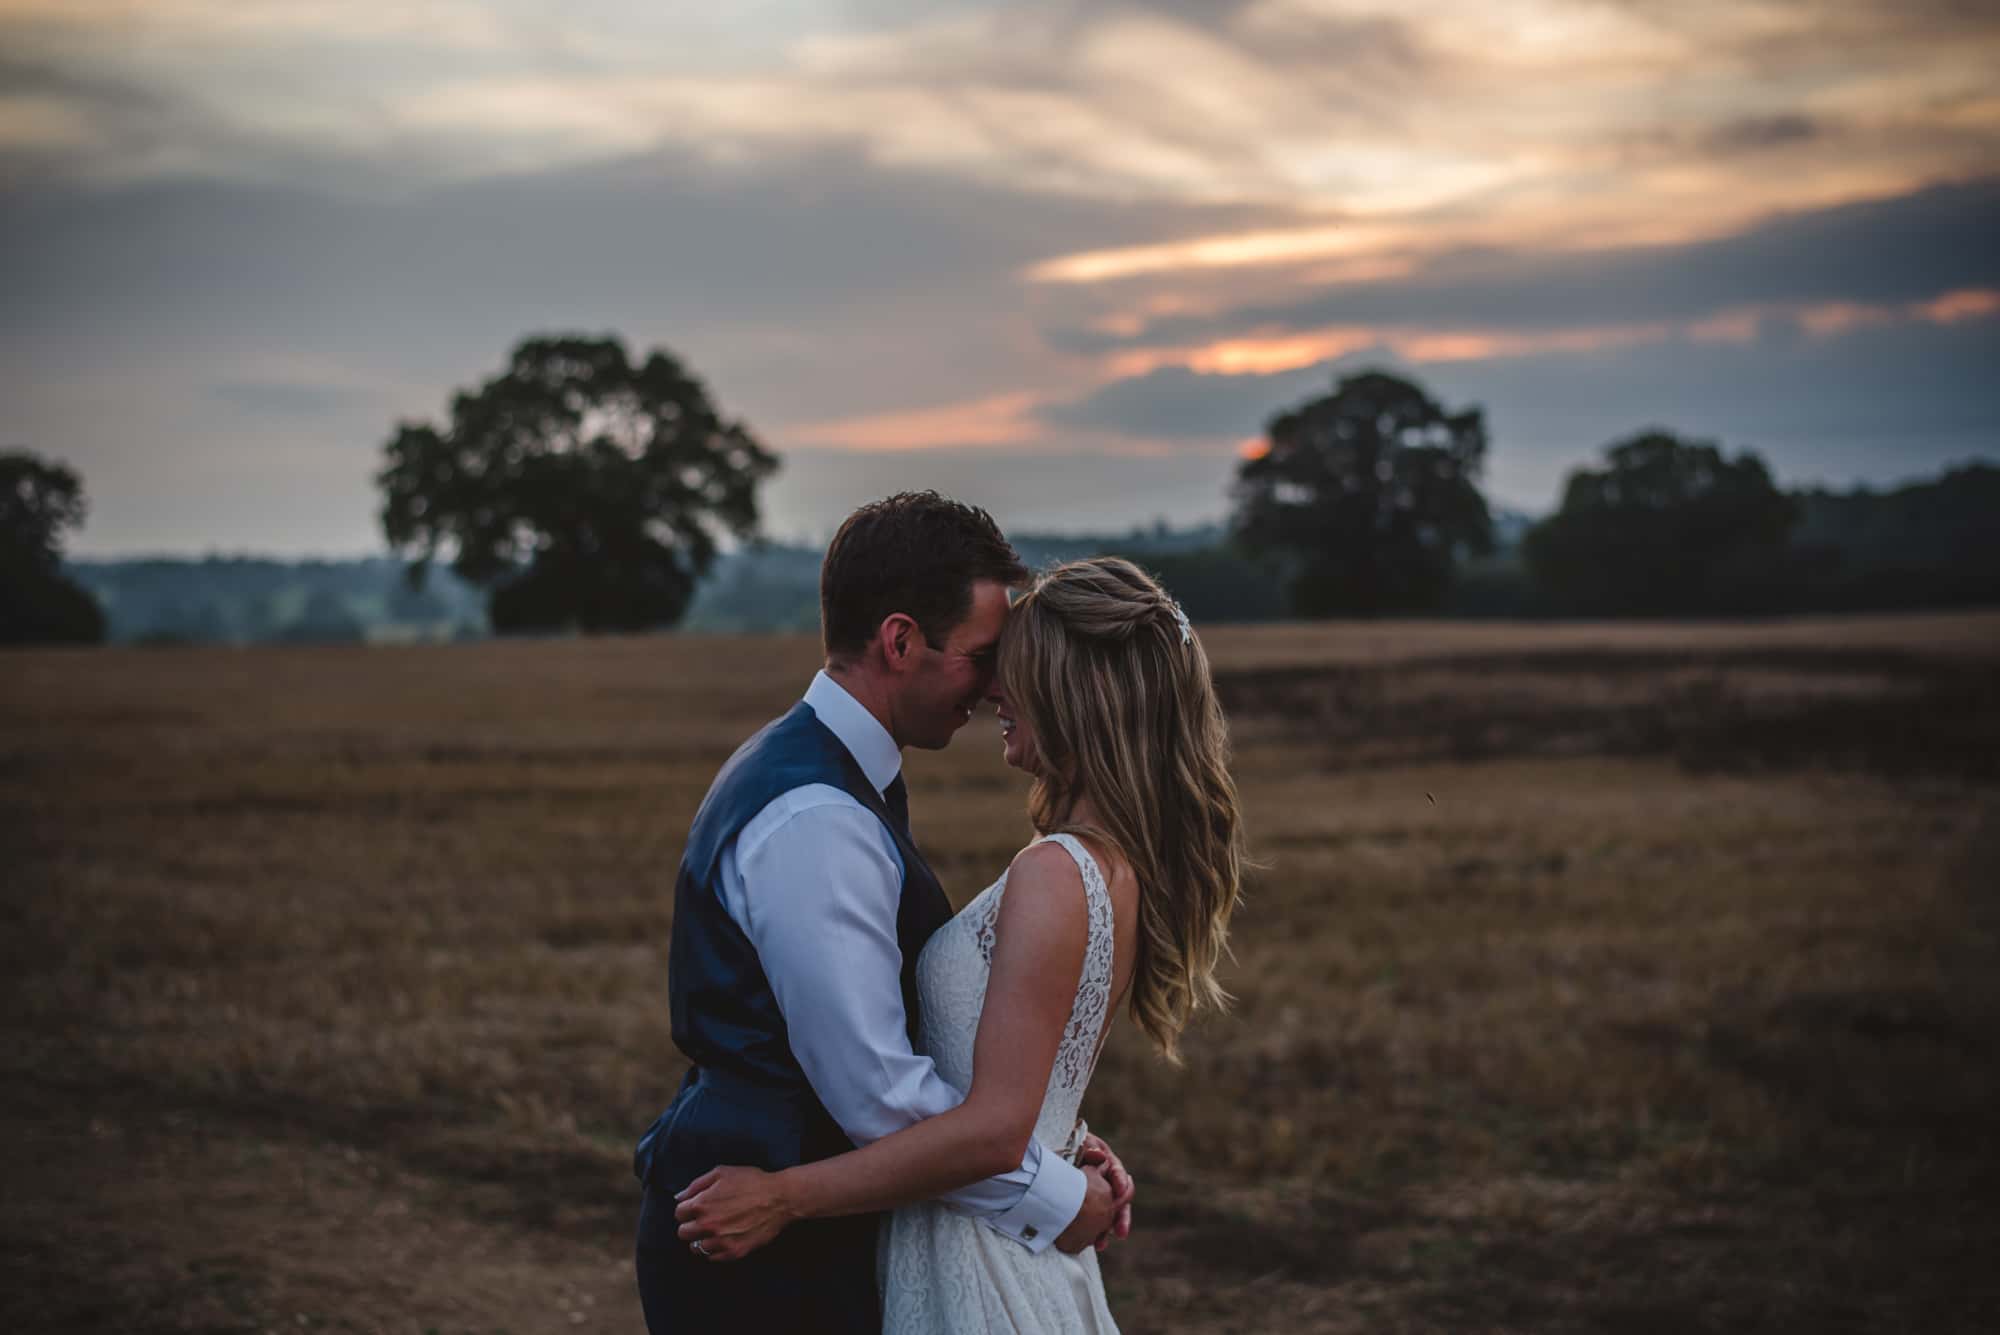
[(1099, 661)]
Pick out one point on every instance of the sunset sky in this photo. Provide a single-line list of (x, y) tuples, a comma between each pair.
[(1062, 260)]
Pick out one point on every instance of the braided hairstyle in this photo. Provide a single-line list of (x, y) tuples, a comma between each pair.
[(1104, 667)]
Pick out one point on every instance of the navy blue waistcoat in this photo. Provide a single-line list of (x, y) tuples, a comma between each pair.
[(745, 1100)]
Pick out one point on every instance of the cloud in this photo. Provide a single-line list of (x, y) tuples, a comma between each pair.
[(1359, 106), (1750, 133), (53, 116), (228, 22), (1000, 420), (1910, 247)]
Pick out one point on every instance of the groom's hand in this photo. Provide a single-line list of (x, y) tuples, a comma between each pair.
[(1099, 1212), (1093, 1153)]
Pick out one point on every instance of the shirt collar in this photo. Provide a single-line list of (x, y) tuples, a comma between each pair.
[(858, 730)]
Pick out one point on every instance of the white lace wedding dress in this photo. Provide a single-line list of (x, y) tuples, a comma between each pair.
[(944, 1273)]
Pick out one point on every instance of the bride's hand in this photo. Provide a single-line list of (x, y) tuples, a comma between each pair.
[(1095, 1152), (727, 1213)]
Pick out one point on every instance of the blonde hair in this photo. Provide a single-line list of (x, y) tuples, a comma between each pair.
[(1101, 664)]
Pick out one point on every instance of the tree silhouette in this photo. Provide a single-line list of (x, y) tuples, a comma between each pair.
[(581, 490), (1667, 527), (38, 603), (1365, 497)]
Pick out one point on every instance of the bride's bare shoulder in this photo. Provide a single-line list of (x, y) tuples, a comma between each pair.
[(1103, 855), (1054, 870), (1045, 863), (1043, 909)]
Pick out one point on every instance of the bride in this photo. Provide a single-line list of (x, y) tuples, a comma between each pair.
[(1105, 698)]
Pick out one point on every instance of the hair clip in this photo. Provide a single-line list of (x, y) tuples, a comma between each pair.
[(1181, 619)]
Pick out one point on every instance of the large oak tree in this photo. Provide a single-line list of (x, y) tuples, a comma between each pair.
[(1366, 497), (583, 490), (1666, 527)]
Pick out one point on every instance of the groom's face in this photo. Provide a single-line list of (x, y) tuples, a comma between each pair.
[(952, 678)]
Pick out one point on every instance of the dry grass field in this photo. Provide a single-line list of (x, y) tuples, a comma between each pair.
[(1598, 978)]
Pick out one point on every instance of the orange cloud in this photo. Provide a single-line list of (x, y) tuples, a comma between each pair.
[(1966, 304), (1216, 252), (1251, 355), (1838, 317), (1269, 353), (1474, 346), (1728, 327), (1001, 420)]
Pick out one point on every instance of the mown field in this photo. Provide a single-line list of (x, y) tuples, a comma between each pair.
[(1596, 979)]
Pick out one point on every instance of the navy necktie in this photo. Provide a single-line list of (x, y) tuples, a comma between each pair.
[(897, 797)]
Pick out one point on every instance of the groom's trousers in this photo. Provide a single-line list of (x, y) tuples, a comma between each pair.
[(817, 1276)]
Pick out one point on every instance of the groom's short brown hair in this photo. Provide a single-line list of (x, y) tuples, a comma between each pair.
[(917, 553)]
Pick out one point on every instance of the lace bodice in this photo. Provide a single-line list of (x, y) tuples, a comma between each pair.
[(947, 1273), (951, 987)]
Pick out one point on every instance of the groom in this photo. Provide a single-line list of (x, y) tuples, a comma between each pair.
[(799, 911)]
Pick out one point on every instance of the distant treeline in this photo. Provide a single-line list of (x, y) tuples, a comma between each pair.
[(1928, 544), (769, 586), (243, 600)]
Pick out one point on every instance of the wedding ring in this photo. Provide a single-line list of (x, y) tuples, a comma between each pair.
[(699, 1250)]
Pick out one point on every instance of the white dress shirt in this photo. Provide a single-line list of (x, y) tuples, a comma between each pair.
[(815, 880)]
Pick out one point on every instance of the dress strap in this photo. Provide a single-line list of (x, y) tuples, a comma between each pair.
[(1094, 888), (1091, 1016)]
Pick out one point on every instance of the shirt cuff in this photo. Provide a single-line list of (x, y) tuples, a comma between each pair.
[(1049, 1205)]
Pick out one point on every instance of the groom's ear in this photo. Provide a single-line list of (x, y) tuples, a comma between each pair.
[(899, 637)]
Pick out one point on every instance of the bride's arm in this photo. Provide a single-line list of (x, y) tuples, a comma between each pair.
[(1038, 952)]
